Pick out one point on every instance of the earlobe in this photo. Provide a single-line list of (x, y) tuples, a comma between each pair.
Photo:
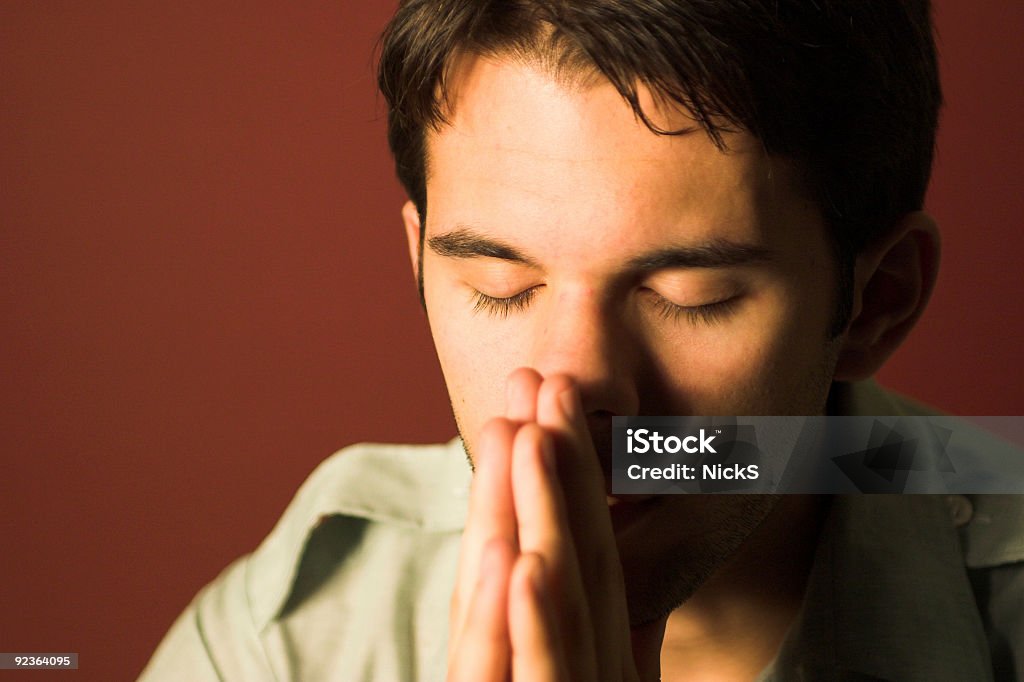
[(893, 280), (411, 219)]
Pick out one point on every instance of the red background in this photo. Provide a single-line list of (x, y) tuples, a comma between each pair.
[(205, 291)]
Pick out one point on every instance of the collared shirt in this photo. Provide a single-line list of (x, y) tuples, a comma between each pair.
[(354, 582)]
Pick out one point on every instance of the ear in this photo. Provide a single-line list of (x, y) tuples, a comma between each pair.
[(411, 218), (893, 280)]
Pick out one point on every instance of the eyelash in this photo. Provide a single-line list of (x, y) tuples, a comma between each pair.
[(706, 314), (502, 307)]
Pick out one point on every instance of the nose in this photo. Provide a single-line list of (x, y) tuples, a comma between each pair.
[(583, 336)]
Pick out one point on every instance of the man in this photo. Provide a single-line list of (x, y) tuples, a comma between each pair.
[(629, 208)]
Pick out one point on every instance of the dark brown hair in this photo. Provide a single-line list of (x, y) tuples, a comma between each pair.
[(847, 88)]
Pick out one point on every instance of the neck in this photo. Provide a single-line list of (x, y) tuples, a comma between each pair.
[(732, 627)]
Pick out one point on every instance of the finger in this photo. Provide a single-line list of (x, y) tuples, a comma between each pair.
[(537, 653), (543, 531), (540, 509), (482, 652), (559, 411), (491, 514), (521, 395)]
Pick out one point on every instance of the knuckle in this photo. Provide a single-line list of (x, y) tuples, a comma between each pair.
[(531, 435)]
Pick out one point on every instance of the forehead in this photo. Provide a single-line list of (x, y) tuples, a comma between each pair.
[(522, 148)]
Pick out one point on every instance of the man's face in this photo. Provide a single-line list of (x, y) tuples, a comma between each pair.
[(665, 276)]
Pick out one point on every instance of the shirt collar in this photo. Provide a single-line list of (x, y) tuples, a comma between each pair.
[(888, 596), (887, 599), (425, 487)]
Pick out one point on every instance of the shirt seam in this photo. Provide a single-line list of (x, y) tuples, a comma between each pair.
[(257, 632)]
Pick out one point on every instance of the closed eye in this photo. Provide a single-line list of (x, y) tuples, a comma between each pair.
[(502, 307), (704, 314)]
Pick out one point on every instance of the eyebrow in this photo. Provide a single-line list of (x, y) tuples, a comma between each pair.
[(719, 253), (464, 242)]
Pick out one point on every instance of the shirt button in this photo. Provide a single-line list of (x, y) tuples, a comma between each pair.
[(961, 509)]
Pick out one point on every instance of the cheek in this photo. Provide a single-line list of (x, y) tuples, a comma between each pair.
[(475, 356), (787, 357), (769, 360)]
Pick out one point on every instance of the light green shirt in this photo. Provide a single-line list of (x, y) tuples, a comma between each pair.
[(354, 582)]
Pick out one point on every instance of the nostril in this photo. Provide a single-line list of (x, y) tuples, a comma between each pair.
[(601, 418), (600, 421)]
